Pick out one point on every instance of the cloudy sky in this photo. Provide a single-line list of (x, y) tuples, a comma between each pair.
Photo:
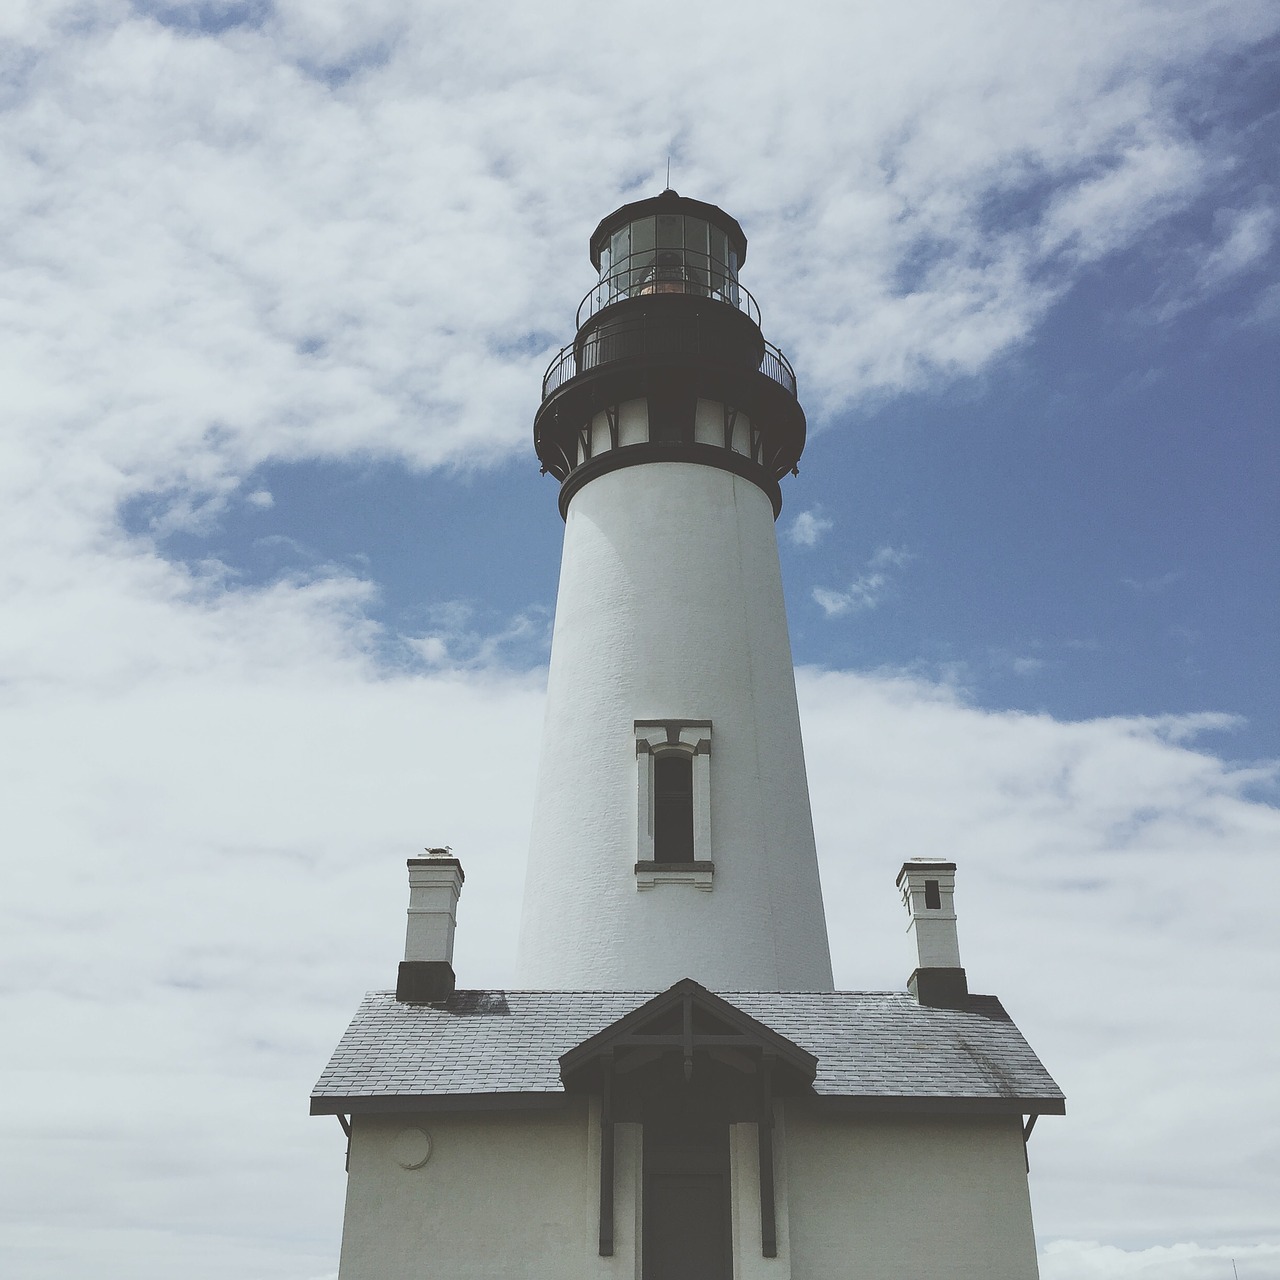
[(279, 281)]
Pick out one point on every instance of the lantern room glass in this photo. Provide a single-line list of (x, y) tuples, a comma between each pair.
[(669, 253)]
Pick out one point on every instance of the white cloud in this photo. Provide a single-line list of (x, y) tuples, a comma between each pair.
[(866, 590), (1247, 236), (456, 639), (1266, 310), (213, 788), (1241, 242), (260, 498), (1152, 586), (203, 867), (1099, 897), (1014, 662), (204, 870), (352, 231), (890, 558), (862, 593), (1088, 1260), (809, 528), (341, 229)]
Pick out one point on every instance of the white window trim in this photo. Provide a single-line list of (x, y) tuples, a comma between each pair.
[(689, 737)]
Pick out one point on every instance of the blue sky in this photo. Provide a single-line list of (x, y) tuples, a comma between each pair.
[(1085, 527), (280, 282)]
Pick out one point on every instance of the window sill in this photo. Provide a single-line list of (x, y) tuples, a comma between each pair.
[(699, 874)]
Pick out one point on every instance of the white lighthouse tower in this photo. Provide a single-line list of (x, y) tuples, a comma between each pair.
[(672, 1089), (672, 835)]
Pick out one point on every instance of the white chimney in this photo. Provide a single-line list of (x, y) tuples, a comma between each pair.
[(426, 973), (928, 889)]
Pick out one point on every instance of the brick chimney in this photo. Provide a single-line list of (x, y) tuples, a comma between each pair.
[(928, 888), (426, 972)]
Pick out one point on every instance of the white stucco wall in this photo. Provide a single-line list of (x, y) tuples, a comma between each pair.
[(919, 1199), (503, 1194), (670, 606), (516, 1194)]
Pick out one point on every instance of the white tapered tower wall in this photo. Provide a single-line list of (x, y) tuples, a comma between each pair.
[(670, 608)]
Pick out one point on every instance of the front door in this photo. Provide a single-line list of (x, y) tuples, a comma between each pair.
[(687, 1229)]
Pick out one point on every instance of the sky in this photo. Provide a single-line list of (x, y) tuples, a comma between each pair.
[(279, 284)]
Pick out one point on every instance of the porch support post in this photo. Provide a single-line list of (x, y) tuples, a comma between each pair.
[(606, 1157), (768, 1215)]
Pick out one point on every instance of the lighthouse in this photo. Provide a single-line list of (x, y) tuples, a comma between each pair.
[(672, 1089), (672, 835)]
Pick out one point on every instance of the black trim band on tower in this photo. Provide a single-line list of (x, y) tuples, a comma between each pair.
[(708, 455), (672, 387)]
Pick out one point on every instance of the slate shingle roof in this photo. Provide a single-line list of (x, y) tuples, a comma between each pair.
[(870, 1045)]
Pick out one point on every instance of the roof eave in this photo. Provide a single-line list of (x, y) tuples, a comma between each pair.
[(385, 1103), (860, 1104)]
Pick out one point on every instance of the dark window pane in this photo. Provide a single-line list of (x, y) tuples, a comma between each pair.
[(932, 898), (695, 254), (641, 269), (695, 235), (673, 808), (719, 260), (673, 775), (670, 231), (668, 274), (641, 235)]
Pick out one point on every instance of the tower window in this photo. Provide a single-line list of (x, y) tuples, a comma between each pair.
[(673, 807), (932, 898), (673, 803)]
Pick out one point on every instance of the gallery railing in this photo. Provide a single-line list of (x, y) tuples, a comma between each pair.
[(642, 336), (669, 271)]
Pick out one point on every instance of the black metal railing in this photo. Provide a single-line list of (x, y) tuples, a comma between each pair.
[(646, 336), (776, 366), (669, 271)]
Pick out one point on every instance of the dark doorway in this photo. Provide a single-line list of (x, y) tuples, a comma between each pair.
[(687, 1224)]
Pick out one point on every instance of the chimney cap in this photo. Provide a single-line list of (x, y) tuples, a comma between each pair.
[(922, 864), (435, 860)]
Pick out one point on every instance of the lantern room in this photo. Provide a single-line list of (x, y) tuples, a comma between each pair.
[(667, 244), (669, 362)]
